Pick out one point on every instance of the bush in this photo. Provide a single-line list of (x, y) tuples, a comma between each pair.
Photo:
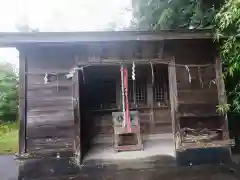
[(8, 93)]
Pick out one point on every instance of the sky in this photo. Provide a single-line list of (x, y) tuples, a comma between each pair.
[(60, 15)]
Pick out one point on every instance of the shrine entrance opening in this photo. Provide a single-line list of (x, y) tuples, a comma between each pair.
[(101, 102)]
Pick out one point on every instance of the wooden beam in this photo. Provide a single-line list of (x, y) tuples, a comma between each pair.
[(222, 98), (173, 98), (67, 38), (116, 62), (22, 103)]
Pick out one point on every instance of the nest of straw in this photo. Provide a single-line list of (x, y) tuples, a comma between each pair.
[(200, 135)]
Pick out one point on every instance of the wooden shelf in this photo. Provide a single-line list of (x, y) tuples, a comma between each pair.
[(117, 109), (126, 61), (200, 114), (143, 107), (194, 102), (162, 122), (104, 110), (211, 144), (197, 90), (162, 107)]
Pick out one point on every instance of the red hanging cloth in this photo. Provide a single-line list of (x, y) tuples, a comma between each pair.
[(127, 116)]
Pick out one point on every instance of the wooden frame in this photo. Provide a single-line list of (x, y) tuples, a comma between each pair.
[(22, 103), (222, 98), (225, 142), (77, 118), (65, 38), (173, 99)]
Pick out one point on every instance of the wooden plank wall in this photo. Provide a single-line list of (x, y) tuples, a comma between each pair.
[(50, 109), (50, 121), (196, 87)]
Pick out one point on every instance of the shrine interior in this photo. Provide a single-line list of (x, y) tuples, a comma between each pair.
[(100, 95)]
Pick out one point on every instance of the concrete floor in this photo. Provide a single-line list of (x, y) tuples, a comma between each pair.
[(8, 168), (152, 148), (65, 169)]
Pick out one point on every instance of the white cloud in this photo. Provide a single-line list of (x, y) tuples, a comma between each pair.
[(60, 15), (73, 15)]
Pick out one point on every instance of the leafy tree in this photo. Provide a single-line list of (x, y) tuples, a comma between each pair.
[(172, 14), (222, 16), (228, 29), (8, 93)]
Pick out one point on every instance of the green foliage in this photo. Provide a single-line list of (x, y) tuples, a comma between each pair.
[(8, 93), (7, 127), (8, 138), (170, 14), (223, 109), (223, 17), (228, 27)]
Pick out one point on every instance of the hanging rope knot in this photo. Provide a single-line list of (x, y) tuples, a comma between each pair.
[(46, 78), (189, 74), (71, 73), (213, 81), (151, 64), (133, 71)]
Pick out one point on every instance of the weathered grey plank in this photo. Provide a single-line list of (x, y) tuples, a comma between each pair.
[(38, 104), (197, 96), (49, 145), (197, 110), (50, 132), (22, 102), (173, 91), (49, 92)]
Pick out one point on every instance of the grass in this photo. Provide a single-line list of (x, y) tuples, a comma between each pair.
[(8, 138)]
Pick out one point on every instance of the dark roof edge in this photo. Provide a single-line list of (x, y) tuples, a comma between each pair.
[(16, 38)]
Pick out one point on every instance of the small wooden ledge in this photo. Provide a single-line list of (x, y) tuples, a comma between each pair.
[(199, 145)]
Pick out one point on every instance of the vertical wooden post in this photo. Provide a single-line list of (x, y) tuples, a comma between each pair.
[(150, 102), (77, 119), (222, 98), (22, 103), (118, 93), (173, 98)]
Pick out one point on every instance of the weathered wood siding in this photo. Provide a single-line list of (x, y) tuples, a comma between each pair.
[(50, 109), (196, 86), (50, 119)]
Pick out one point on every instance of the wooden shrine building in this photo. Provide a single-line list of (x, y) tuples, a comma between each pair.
[(71, 85)]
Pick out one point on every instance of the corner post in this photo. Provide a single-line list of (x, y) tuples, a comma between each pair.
[(22, 103), (173, 99), (222, 98)]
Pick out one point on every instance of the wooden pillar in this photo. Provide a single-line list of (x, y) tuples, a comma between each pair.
[(118, 93), (173, 99), (22, 103), (77, 116), (222, 98), (150, 102)]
